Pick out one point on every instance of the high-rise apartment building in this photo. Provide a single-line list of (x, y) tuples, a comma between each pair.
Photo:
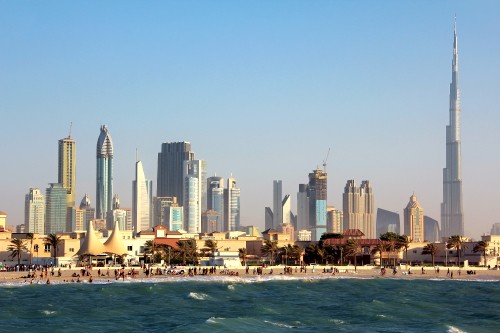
[(160, 209), (452, 216), (302, 208), (141, 200), (211, 221), (67, 168), (286, 210), (317, 193), (277, 204), (431, 230), (358, 207), (104, 174), (215, 197), (387, 221), (231, 206), (55, 209), (170, 181), (268, 218), (414, 220), (34, 211), (175, 218), (195, 192), (334, 220), (88, 211)]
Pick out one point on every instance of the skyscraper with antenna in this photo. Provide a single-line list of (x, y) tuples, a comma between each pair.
[(452, 216), (104, 174)]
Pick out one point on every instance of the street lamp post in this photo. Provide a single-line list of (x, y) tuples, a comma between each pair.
[(341, 257), (446, 252)]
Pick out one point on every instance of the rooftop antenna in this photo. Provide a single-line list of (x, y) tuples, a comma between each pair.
[(136, 155), (70, 126), (326, 159)]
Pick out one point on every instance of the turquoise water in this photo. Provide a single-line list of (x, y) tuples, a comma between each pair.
[(253, 305)]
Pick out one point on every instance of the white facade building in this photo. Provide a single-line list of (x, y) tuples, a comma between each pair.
[(34, 211)]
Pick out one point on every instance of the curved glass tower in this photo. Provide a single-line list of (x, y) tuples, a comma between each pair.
[(104, 174)]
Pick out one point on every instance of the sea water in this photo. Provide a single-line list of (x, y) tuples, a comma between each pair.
[(267, 304)]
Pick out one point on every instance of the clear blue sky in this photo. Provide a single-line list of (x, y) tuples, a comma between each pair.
[(261, 89)]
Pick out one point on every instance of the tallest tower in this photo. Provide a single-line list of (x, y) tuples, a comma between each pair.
[(452, 217)]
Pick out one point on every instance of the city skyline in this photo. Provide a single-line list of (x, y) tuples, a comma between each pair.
[(358, 75)]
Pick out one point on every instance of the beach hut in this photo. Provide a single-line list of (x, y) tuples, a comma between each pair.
[(91, 246), (114, 245)]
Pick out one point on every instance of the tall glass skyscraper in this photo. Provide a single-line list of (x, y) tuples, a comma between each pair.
[(34, 211), (104, 174), (195, 193), (215, 195), (231, 206), (358, 208), (317, 203), (452, 216), (170, 169), (67, 168), (55, 209), (141, 200)]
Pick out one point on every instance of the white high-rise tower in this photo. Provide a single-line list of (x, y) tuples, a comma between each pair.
[(141, 201), (452, 216)]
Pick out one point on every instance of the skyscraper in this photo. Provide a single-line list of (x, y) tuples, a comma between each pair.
[(277, 204), (317, 192), (170, 179), (452, 216), (286, 210), (414, 220), (302, 208), (215, 196), (358, 208), (232, 206), (67, 168), (268, 218), (104, 174), (195, 192), (34, 211), (141, 200), (55, 209), (431, 230), (387, 221)]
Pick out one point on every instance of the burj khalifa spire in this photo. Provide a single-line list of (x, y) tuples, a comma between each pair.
[(452, 216)]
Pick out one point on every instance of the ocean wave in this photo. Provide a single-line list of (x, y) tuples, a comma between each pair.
[(453, 329), (214, 320), (279, 324), (48, 312), (198, 296)]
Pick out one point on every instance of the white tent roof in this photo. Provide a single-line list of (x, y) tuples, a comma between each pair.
[(114, 244), (91, 245)]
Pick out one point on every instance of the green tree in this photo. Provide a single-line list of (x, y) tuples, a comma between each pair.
[(16, 248), (456, 242), (150, 248), (351, 249), (315, 252), (431, 249), (380, 248), (30, 237), (297, 252), (243, 254), (53, 240), (481, 246), (269, 248), (391, 239), (404, 243), (187, 250), (211, 245)]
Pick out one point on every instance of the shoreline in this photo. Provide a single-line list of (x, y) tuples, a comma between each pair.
[(482, 275)]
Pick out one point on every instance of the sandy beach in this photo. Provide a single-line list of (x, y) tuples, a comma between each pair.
[(67, 275)]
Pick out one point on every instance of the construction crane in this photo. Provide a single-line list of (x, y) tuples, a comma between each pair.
[(326, 159)]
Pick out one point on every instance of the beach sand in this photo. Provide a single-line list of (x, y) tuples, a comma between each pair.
[(278, 271)]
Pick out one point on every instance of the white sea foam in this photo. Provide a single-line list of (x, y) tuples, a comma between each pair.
[(48, 312), (337, 321), (198, 296), (230, 287), (214, 320), (279, 324), (453, 329)]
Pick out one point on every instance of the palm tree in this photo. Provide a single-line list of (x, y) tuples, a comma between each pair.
[(16, 248), (404, 243), (351, 249), (316, 252), (297, 252), (481, 246), (53, 240), (150, 248), (30, 236), (243, 254), (431, 249), (391, 239), (457, 243), (380, 248), (187, 249), (269, 247), (211, 245)]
